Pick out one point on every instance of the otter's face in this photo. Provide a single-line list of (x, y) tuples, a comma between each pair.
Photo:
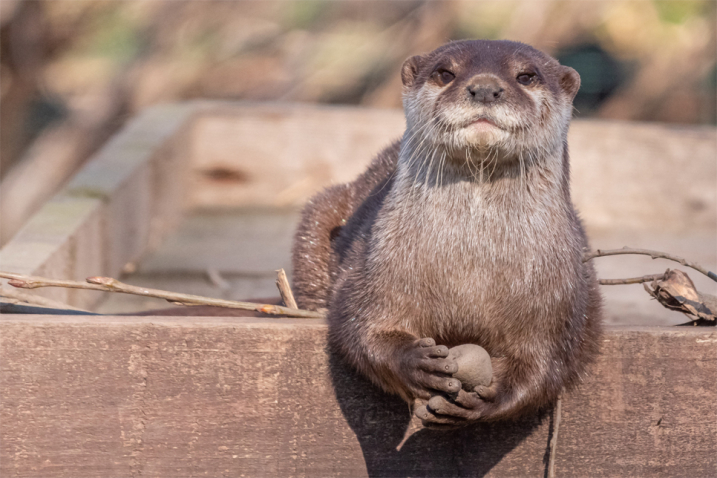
[(498, 97)]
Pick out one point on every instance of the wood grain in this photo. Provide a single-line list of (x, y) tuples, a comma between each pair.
[(648, 408), (177, 396)]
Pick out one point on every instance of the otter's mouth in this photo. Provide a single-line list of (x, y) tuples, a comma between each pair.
[(483, 124)]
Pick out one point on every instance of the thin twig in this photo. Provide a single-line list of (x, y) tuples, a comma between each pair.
[(632, 280), (108, 284), (654, 254), (285, 290), (554, 438)]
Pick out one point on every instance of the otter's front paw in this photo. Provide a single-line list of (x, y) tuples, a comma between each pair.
[(459, 409), (426, 369)]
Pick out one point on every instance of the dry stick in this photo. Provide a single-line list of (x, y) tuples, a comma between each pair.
[(285, 290), (632, 280), (108, 284), (654, 255), (554, 438)]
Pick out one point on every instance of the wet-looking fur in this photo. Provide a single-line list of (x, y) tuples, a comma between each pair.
[(461, 232)]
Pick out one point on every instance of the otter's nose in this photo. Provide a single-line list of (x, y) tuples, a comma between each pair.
[(485, 90)]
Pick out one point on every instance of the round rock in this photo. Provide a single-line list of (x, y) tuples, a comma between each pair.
[(474, 367)]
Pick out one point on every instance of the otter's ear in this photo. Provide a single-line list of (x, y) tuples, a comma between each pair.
[(569, 81), (410, 69)]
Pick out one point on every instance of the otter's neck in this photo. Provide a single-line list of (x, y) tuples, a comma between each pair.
[(481, 175)]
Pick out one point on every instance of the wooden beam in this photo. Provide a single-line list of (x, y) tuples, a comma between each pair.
[(120, 204), (170, 396)]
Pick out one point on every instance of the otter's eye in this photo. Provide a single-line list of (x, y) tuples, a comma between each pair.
[(443, 77), (525, 78)]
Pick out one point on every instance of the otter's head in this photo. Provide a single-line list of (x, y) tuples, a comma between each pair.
[(478, 100)]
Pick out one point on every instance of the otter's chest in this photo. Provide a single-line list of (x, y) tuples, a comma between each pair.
[(470, 260)]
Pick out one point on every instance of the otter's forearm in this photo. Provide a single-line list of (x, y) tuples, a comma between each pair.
[(375, 356)]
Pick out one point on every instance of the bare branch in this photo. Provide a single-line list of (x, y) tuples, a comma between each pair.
[(107, 284), (553, 444), (654, 254), (285, 289), (632, 280), (34, 282)]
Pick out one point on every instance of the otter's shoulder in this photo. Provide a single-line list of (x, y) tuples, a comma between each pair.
[(381, 168), (368, 194)]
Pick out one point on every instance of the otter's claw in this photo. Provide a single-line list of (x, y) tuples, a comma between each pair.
[(487, 394), (427, 369)]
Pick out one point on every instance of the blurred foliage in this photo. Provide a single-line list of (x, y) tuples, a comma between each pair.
[(648, 60), (304, 14), (601, 74), (679, 11), (111, 34)]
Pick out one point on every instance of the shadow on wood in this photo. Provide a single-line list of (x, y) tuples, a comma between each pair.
[(381, 421)]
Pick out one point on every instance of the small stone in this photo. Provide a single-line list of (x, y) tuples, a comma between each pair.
[(474, 367)]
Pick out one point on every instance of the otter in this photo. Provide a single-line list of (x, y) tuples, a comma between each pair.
[(463, 231)]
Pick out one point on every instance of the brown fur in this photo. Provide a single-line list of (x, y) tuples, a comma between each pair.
[(455, 236)]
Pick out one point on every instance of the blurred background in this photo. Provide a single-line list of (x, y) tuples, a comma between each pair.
[(73, 71)]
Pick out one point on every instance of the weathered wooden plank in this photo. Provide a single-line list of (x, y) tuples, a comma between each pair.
[(140, 175), (648, 409), (64, 240), (169, 396), (122, 202), (278, 154), (630, 175)]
